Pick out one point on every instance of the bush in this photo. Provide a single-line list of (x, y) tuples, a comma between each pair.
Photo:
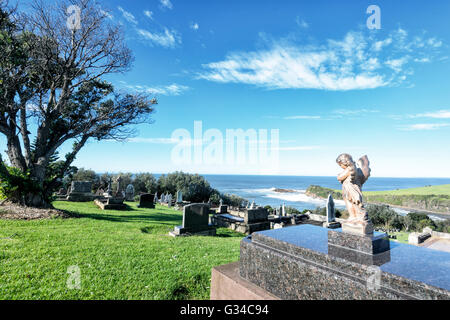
[(17, 185), (195, 188), (145, 182), (233, 200)]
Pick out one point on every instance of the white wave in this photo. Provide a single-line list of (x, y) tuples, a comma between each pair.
[(295, 196)]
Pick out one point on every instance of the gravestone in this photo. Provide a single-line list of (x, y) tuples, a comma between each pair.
[(146, 200), (307, 262), (80, 191), (331, 222), (169, 200), (129, 193), (195, 221), (222, 208), (179, 196), (247, 221)]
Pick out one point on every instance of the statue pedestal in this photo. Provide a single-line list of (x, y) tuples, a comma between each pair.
[(331, 225), (362, 228), (370, 249)]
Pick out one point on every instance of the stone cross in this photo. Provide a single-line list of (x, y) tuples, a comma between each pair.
[(331, 213)]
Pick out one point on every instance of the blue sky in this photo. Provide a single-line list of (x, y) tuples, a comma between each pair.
[(311, 69)]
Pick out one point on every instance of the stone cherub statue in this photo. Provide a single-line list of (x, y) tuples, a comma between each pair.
[(352, 178)]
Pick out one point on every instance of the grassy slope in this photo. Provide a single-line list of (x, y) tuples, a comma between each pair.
[(431, 190), (121, 255), (431, 198)]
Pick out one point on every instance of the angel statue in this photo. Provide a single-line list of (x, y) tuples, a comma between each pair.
[(352, 178)]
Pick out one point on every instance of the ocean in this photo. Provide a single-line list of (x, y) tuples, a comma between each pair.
[(261, 188)]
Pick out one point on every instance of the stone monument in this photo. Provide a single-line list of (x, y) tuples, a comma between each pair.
[(179, 196), (146, 200), (80, 191), (308, 262), (352, 179), (331, 214), (111, 201), (129, 193), (195, 221)]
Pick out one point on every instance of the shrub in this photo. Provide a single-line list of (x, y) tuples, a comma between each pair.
[(17, 185), (195, 188), (233, 200)]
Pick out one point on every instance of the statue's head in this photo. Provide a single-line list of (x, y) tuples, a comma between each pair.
[(344, 160)]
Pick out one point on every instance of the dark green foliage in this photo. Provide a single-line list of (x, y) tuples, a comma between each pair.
[(321, 192), (16, 185), (145, 183), (233, 200), (195, 188)]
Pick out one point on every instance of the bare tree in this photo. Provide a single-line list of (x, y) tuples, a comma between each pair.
[(51, 73)]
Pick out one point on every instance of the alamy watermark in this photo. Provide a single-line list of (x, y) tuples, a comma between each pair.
[(73, 21), (235, 146), (374, 20), (374, 280), (74, 279)]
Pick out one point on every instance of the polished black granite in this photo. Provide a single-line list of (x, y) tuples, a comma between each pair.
[(231, 217), (295, 262)]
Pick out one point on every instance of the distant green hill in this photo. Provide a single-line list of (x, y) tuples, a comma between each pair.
[(430, 198)]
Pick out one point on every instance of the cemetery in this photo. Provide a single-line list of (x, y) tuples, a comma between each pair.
[(75, 226)]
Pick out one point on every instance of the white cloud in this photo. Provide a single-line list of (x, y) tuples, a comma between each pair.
[(358, 61), (301, 23), (128, 16), (349, 112), (152, 140), (166, 4), (168, 39), (441, 114), (107, 14), (423, 126), (168, 90), (302, 117), (298, 148), (149, 14), (194, 26), (396, 64)]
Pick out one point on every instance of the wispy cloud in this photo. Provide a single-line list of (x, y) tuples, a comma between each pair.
[(301, 23), (347, 64), (167, 39), (351, 112), (299, 148), (194, 26), (149, 14), (152, 140), (423, 126), (441, 114), (128, 16), (305, 117), (166, 4), (173, 89)]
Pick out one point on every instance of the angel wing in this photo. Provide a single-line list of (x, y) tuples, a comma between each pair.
[(363, 164)]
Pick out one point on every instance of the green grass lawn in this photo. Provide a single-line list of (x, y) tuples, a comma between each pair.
[(402, 236), (423, 191), (121, 255)]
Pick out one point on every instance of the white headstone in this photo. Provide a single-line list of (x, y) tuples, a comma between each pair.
[(179, 196)]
